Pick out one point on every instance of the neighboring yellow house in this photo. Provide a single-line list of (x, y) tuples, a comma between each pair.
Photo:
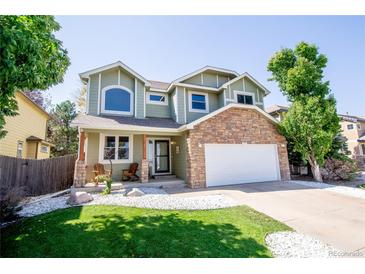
[(26, 137)]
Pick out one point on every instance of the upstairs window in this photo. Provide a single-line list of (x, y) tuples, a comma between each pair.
[(350, 126), (198, 102), (244, 98), (117, 100), (156, 98)]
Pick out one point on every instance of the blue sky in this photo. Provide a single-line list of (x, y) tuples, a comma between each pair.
[(167, 47)]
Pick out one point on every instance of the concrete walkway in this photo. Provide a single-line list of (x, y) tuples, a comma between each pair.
[(333, 218)]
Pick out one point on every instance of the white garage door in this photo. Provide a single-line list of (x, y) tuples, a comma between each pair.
[(229, 164)]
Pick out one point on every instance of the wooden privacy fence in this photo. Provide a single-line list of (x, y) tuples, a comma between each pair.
[(37, 177)]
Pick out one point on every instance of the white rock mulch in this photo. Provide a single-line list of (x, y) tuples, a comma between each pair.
[(154, 198), (295, 245), (43, 206), (350, 191)]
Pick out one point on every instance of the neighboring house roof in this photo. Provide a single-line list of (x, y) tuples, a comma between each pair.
[(152, 124), (276, 108), (27, 98), (247, 75), (33, 138), (351, 118), (86, 74)]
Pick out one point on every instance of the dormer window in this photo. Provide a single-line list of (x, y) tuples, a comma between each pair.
[(117, 100), (243, 97)]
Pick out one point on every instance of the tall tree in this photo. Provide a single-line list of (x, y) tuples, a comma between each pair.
[(61, 133), (311, 122), (31, 58), (80, 99)]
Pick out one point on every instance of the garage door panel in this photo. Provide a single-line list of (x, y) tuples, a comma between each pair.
[(228, 164)]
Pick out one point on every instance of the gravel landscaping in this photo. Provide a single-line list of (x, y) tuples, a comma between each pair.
[(296, 245), (350, 191), (153, 198)]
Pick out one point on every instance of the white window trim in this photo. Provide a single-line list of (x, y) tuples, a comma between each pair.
[(103, 110), (166, 103), (115, 161), (206, 110), (238, 92)]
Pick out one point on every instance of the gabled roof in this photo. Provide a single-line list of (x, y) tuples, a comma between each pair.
[(86, 74), (202, 70), (26, 97), (247, 75), (351, 118), (276, 108)]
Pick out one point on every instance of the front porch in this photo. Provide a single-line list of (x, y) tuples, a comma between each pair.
[(157, 154), (155, 183)]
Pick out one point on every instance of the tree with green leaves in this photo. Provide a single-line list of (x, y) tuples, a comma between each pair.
[(31, 58), (61, 133), (311, 123)]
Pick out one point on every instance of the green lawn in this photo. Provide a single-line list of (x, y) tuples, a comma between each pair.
[(113, 231)]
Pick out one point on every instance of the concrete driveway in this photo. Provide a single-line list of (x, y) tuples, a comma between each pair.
[(336, 219)]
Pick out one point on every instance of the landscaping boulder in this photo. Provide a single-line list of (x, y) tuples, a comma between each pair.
[(135, 192), (79, 197)]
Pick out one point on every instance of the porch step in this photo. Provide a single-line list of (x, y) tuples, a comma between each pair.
[(163, 177), (168, 183)]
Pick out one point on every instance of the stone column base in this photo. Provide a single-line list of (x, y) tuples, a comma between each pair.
[(144, 171), (79, 174)]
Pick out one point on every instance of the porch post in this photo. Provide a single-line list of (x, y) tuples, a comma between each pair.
[(144, 165), (80, 166)]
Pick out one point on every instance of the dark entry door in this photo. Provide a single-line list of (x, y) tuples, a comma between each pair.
[(162, 151)]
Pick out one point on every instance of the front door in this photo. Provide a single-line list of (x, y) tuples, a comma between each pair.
[(162, 158)]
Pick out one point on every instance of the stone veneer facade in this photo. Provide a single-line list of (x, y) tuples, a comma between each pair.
[(232, 126)]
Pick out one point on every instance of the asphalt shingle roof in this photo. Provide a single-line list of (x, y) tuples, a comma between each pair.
[(105, 121)]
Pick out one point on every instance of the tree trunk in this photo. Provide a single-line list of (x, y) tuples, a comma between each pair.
[(315, 169)]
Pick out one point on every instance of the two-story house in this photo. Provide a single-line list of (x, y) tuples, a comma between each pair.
[(27, 131), (207, 127), (353, 128)]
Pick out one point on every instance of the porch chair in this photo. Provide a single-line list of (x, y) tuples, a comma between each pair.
[(100, 170), (131, 173)]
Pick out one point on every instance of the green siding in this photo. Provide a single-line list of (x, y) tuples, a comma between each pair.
[(222, 79), (172, 105), (249, 87), (213, 105), (93, 94), (221, 99), (139, 106), (158, 111), (180, 105), (195, 80), (210, 80), (178, 160), (110, 77)]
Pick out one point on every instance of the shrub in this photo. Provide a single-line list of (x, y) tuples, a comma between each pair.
[(108, 182), (9, 199), (339, 170)]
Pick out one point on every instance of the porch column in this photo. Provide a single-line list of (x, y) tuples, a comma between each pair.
[(144, 165), (80, 166)]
